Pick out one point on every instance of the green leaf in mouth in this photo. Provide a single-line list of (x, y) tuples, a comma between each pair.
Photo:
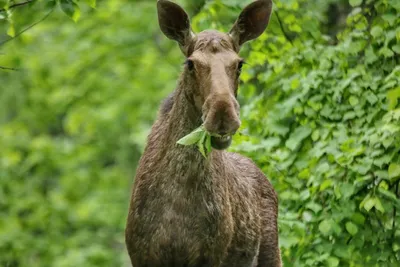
[(192, 138), (200, 137)]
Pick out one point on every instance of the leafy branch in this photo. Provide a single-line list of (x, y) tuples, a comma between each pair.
[(283, 28), (17, 5), (21, 32), (7, 68), (27, 28)]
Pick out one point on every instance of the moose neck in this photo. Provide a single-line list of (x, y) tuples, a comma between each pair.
[(179, 119), (184, 117)]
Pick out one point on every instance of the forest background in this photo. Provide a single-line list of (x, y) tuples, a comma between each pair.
[(80, 85)]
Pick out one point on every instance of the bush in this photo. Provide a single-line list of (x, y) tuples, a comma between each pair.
[(320, 112), (324, 123)]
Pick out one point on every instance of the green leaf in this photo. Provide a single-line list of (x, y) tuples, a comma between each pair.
[(370, 55), (394, 171), (325, 227), (77, 13), (200, 144), (389, 195), (351, 228), (304, 174), (11, 30), (358, 218), (376, 31), (355, 2), (71, 9), (371, 97), (390, 18), (192, 138), (288, 241), (326, 184), (396, 48), (378, 205), (314, 207), (386, 52), (51, 4), (393, 96), (347, 190), (208, 147), (395, 4), (91, 3), (315, 135), (369, 203), (349, 115), (201, 138), (353, 100), (332, 261), (297, 137), (68, 7)]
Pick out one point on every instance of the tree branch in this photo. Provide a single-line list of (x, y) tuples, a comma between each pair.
[(396, 192), (17, 5), (27, 28), (283, 29), (21, 32), (7, 68)]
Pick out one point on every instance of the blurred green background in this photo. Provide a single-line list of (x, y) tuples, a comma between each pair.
[(320, 111)]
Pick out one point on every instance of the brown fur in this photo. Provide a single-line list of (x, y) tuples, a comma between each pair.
[(190, 211)]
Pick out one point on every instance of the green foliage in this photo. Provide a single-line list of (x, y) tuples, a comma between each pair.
[(73, 123), (320, 114), (192, 138), (201, 138), (326, 128), (70, 7)]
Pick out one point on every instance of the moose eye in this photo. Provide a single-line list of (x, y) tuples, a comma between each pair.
[(190, 64)]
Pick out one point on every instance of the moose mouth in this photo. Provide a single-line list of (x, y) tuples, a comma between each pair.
[(221, 142)]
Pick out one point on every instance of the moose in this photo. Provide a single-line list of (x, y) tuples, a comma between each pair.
[(188, 210)]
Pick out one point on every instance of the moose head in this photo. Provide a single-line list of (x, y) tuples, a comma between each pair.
[(213, 66)]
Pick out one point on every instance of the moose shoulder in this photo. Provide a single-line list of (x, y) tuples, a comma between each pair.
[(191, 211)]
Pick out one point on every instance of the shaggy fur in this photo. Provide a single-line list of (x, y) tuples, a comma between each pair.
[(189, 211)]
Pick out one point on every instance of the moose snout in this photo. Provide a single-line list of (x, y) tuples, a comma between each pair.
[(222, 118)]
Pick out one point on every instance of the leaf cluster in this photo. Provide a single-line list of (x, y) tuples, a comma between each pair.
[(199, 137)]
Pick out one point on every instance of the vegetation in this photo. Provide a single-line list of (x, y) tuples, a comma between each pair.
[(320, 115)]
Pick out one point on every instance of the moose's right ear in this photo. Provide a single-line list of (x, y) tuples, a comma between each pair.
[(252, 22), (174, 22)]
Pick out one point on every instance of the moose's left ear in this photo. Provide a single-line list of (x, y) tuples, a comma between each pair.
[(252, 22), (174, 22)]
